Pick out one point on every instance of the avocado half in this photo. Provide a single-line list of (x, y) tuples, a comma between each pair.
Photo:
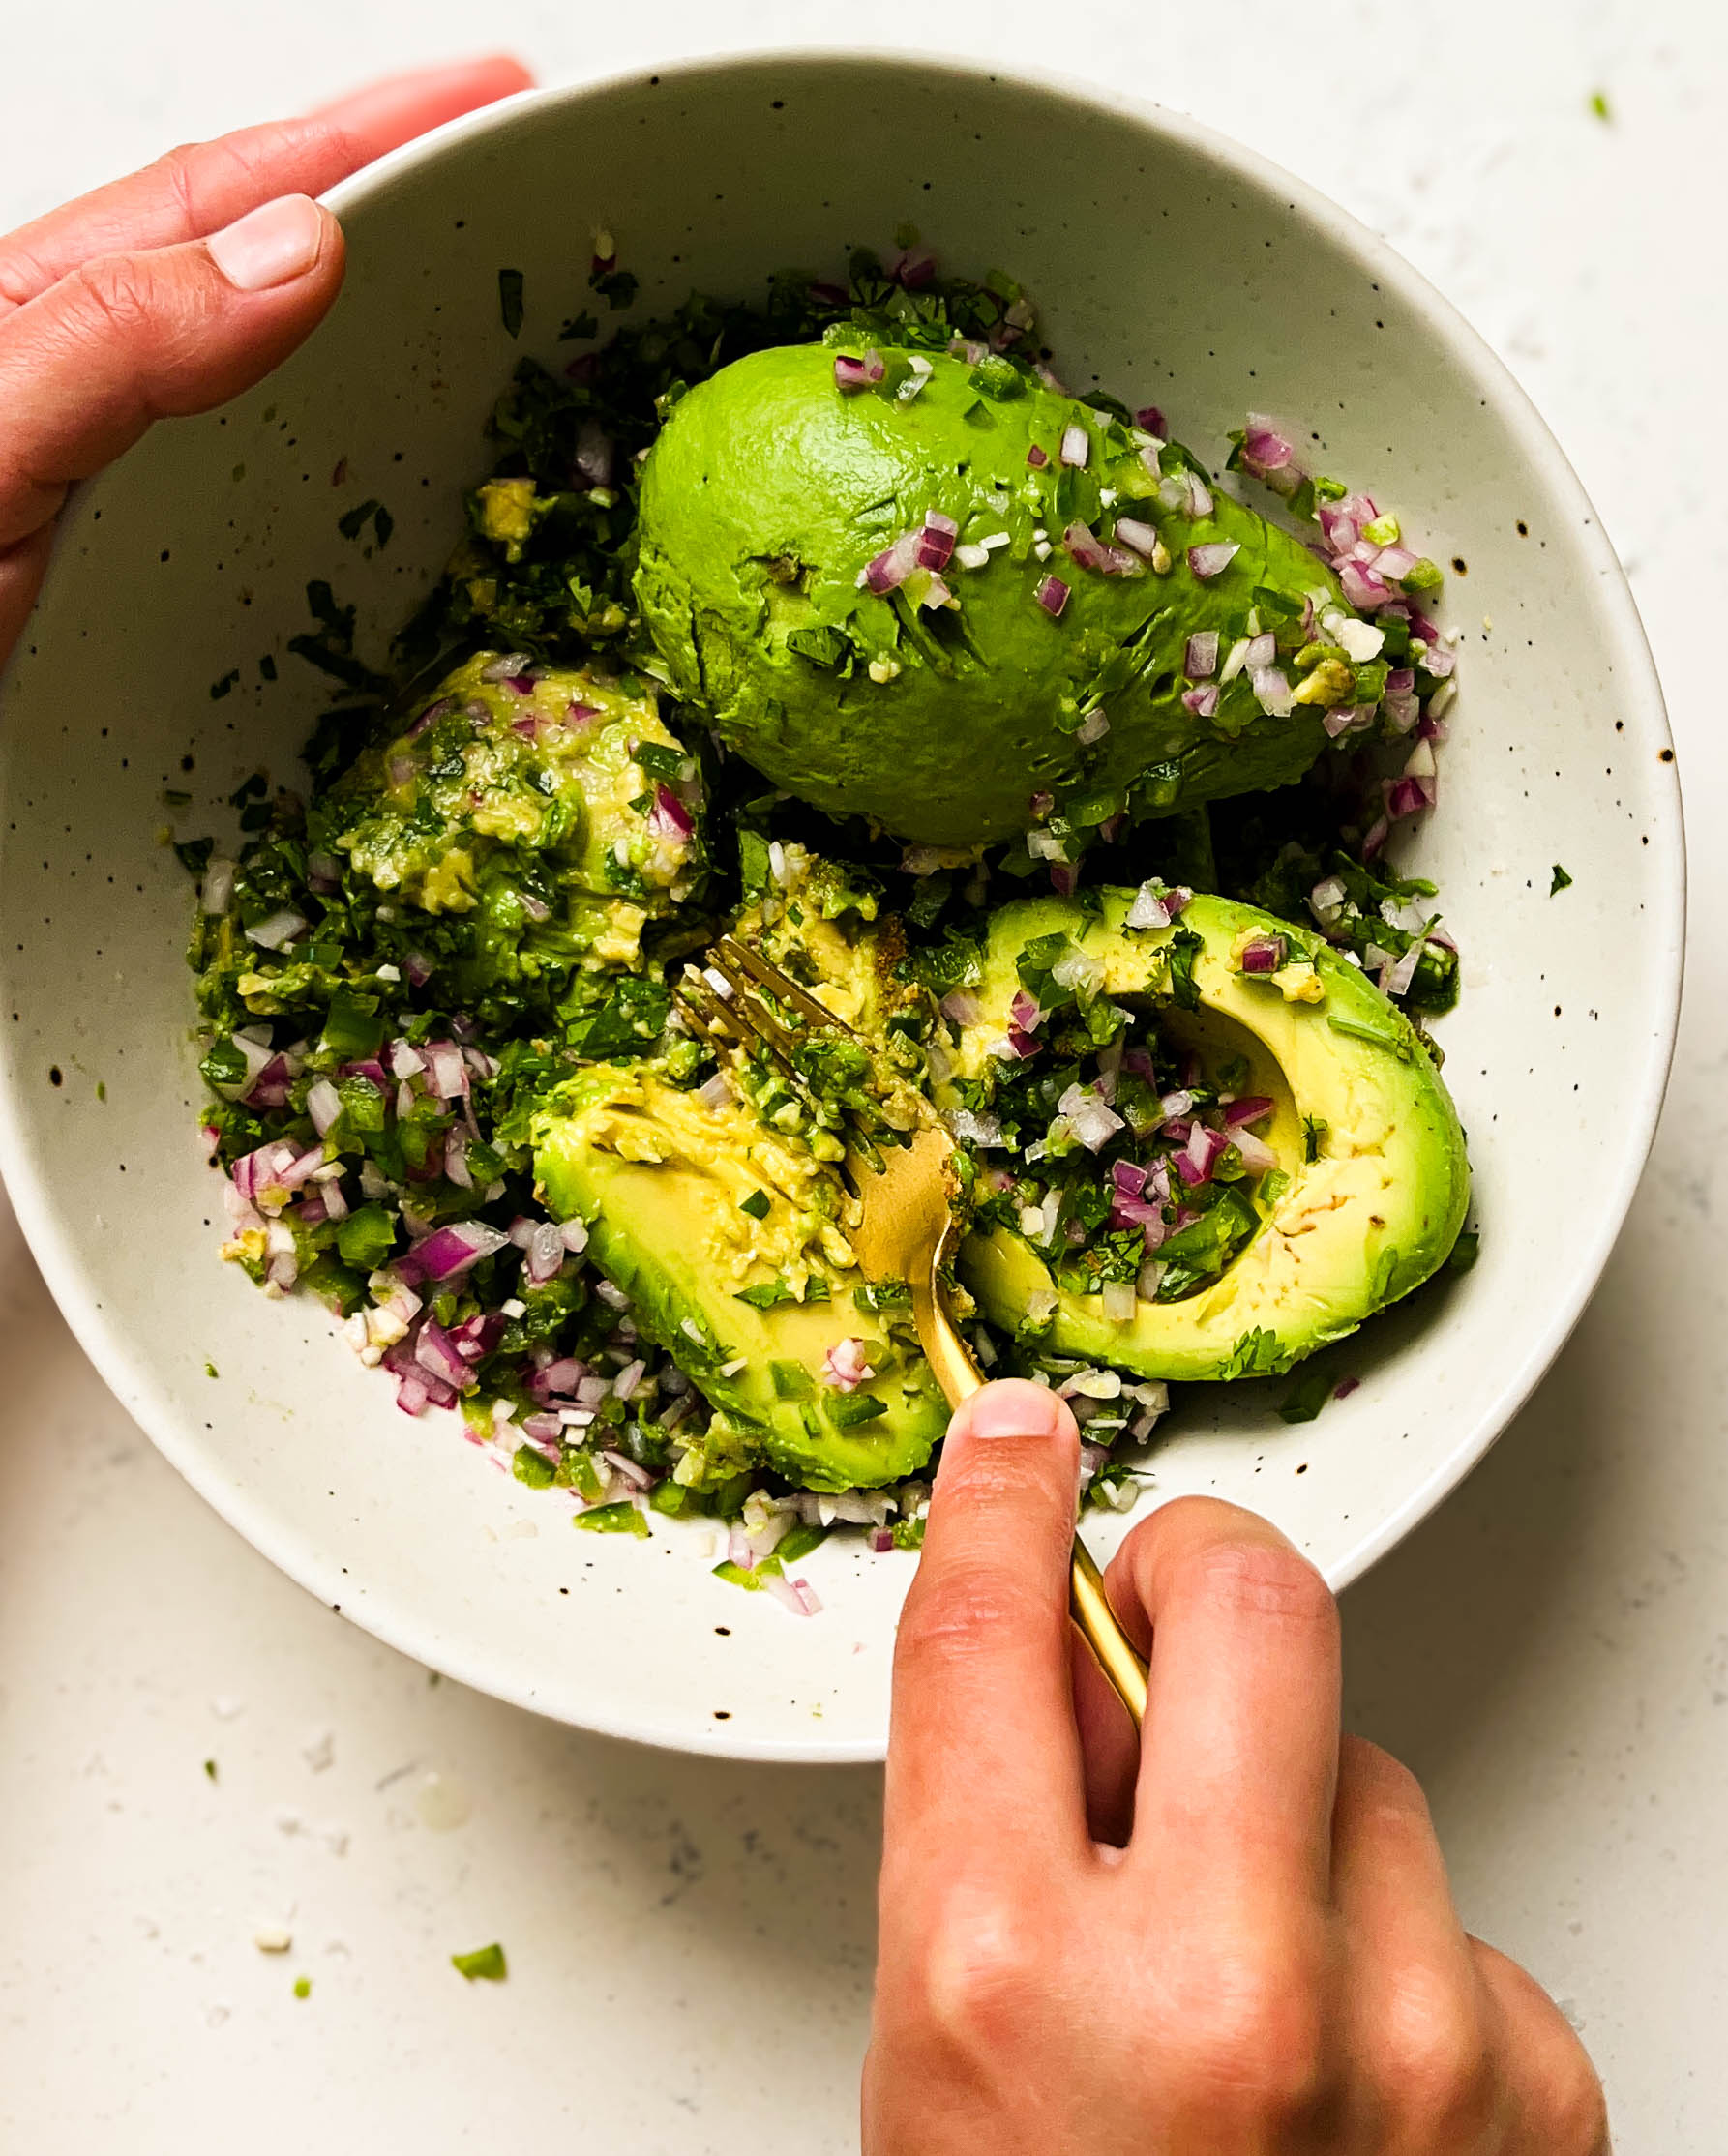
[(1368, 1218), (771, 490), (664, 1181), (729, 1237)]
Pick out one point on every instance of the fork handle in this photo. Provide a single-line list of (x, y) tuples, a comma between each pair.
[(957, 1374)]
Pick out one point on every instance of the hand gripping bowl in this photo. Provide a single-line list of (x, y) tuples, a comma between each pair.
[(1169, 264)]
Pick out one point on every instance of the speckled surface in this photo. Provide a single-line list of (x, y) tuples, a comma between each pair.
[(690, 1942)]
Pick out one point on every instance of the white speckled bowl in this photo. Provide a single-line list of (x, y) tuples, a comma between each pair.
[(1173, 266)]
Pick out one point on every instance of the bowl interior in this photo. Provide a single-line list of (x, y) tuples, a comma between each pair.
[(1170, 268)]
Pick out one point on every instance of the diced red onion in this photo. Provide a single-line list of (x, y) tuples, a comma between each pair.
[(1076, 444), (456, 1159), (1272, 691), (1152, 418), (448, 1251), (844, 1366), (277, 930), (545, 1254), (1346, 719), (1363, 587), (1201, 660), (960, 1007), (446, 1072), (1200, 1155), (1203, 702), (1052, 595), (1024, 1012), (1141, 536), (936, 540), (853, 375), (1129, 1178), (323, 1104), (435, 1351), (1398, 978), (1257, 1156), (1264, 451), (880, 1540), (219, 887), (1262, 650), (1209, 560), (593, 453), (1265, 953), (669, 818), (1254, 1108), (1084, 546), (891, 567), (1063, 878)]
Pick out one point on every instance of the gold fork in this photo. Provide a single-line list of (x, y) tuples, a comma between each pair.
[(907, 1232)]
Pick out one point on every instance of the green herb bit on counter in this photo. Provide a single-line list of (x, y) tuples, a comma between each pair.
[(485, 1963)]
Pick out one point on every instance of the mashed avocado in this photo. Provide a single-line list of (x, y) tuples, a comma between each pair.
[(943, 704), (549, 807)]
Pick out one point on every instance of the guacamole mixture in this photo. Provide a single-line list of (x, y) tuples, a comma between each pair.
[(1062, 771)]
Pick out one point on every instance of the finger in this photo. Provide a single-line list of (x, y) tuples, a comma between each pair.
[(388, 114), (1109, 1747), (983, 1725), (1421, 2025), (129, 339), (196, 190), (1555, 2094), (21, 569), (1239, 1749)]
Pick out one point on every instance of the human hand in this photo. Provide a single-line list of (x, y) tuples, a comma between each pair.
[(1269, 1963), (177, 288)]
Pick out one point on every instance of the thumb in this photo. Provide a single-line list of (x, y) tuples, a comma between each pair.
[(983, 1725), (128, 338)]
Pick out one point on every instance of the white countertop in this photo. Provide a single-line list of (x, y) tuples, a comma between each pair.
[(690, 1941)]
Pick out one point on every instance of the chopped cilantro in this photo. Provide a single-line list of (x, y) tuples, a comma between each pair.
[(220, 689), (532, 1466), (1562, 881), (1307, 1395), (621, 1519), (1599, 105), (303, 1987), (759, 1205), (484, 1962), (1465, 1252)]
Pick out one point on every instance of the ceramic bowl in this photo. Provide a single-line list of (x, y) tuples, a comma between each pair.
[(1173, 266)]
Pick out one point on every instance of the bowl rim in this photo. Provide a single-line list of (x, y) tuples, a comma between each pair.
[(104, 1340)]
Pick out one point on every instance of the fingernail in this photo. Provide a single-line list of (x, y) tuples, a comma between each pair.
[(269, 246), (1013, 1409)]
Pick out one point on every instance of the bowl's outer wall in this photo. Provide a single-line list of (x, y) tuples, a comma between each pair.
[(1173, 269)]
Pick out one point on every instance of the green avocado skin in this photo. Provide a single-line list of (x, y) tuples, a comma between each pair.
[(768, 490)]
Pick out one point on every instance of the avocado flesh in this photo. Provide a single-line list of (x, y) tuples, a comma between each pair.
[(769, 489), (1356, 1228), (503, 789), (661, 1179)]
